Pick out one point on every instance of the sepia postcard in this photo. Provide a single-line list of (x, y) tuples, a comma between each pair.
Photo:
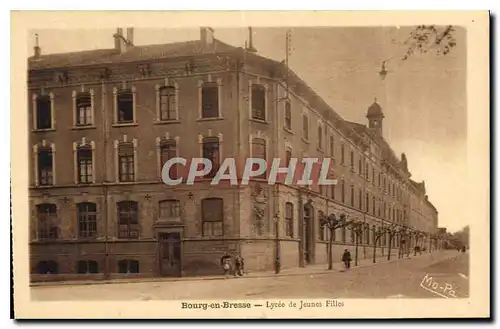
[(250, 164)]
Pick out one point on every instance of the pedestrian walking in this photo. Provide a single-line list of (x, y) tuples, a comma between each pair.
[(346, 258), (239, 264), (225, 262)]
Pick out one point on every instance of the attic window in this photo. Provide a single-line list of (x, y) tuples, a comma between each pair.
[(125, 108)]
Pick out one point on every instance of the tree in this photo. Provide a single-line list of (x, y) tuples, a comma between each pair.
[(358, 228), (377, 234), (427, 38), (332, 224), (392, 231), (403, 234)]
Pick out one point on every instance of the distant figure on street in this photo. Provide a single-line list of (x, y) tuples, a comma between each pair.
[(225, 262), (346, 258), (239, 264)]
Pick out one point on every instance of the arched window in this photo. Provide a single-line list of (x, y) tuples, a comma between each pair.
[(212, 212), (87, 220), (128, 219), (289, 219)]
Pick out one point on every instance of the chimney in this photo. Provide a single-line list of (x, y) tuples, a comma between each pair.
[(250, 47), (207, 36), (120, 42), (37, 49), (130, 36)]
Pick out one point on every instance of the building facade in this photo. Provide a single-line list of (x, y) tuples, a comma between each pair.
[(103, 123)]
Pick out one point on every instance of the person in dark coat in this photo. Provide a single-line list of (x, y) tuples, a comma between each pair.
[(239, 263), (346, 258), (225, 262)]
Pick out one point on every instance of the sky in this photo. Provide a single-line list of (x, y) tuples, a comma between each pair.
[(423, 98)]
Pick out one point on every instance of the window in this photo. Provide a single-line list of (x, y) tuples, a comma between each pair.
[(47, 221), (128, 266), (332, 191), (83, 109), (210, 100), (288, 157), (360, 167), (45, 166), (211, 151), (379, 179), (342, 187), (259, 152), (288, 115), (360, 200), (374, 235), (125, 108), (47, 267), (289, 219), (343, 231), (212, 216), (332, 146), (373, 206), (87, 220), (320, 137), (128, 220), (305, 126), (168, 110), (342, 154), (352, 160), (169, 209), (258, 102), (87, 266), (84, 163), (126, 162), (321, 229), (367, 201), (43, 112), (352, 195), (168, 150)]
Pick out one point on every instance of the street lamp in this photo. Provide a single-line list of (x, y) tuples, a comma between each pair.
[(277, 262)]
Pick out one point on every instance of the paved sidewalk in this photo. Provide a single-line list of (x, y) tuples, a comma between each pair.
[(309, 270)]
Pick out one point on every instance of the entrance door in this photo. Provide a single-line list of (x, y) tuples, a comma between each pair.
[(170, 254)]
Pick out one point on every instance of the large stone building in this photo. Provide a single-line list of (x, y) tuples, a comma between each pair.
[(103, 122)]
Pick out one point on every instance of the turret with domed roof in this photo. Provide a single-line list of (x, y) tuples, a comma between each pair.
[(375, 117)]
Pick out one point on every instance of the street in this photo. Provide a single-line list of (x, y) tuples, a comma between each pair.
[(432, 276)]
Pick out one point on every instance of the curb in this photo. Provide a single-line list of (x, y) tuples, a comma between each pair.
[(202, 278)]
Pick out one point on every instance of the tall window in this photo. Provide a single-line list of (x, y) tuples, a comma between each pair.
[(305, 126), (169, 209), (43, 112), (352, 160), (288, 156), (128, 266), (360, 199), (360, 167), (367, 202), (320, 137), (126, 162), (367, 170), (321, 229), (211, 151), (342, 154), (128, 219), (259, 152), (379, 181), (45, 166), (373, 176), (87, 220), (168, 150), (212, 210), (84, 158), (83, 109), (87, 266), (332, 146), (125, 106), (288, 115), (258, 102), (48, 228), (210, 100), (373, 206), (352, 195), (332, 191), (289, 219), (342, 187), (167, 104)]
